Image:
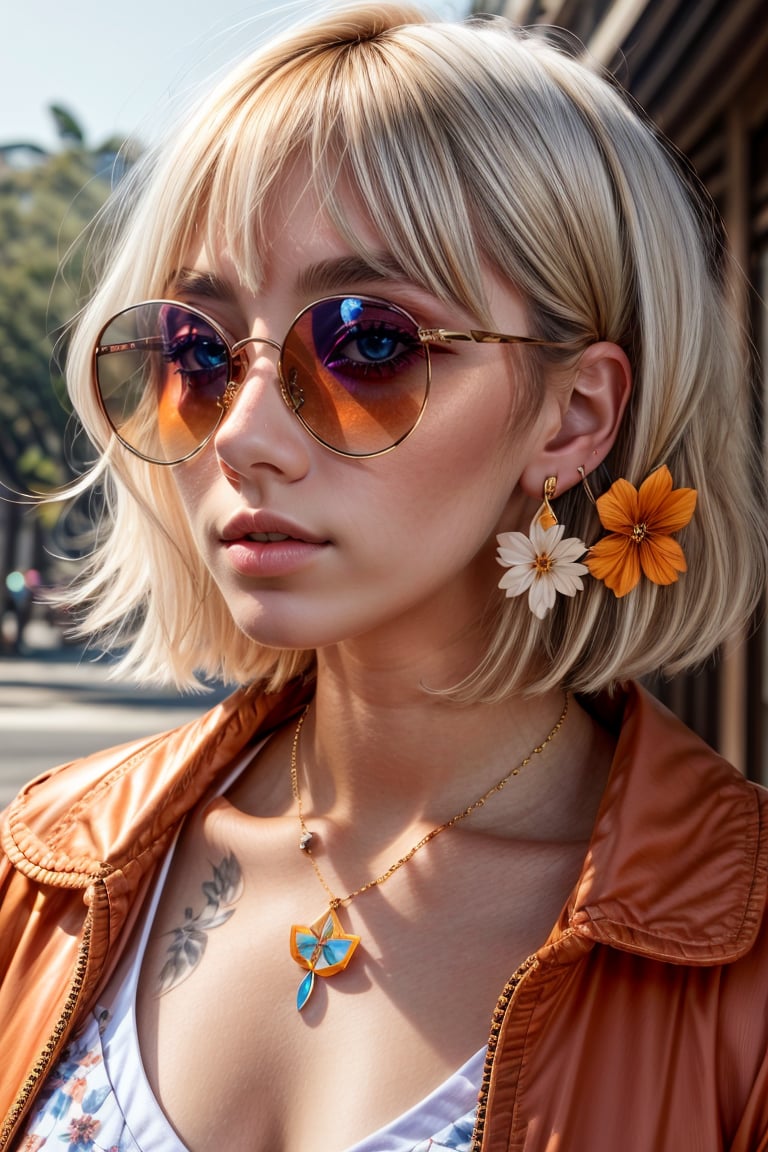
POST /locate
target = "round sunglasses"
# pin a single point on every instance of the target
(355, 370)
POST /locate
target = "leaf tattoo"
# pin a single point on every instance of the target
(188, 946)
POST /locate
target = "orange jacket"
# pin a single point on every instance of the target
(641, 1024)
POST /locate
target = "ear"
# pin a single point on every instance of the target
(591, 414)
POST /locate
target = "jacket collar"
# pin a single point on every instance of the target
(677, 868)
(118, 809)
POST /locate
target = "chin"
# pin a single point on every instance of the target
(275, 631)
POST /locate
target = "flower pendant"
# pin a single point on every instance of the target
(323, 948)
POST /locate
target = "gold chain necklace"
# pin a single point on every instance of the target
(323, 948)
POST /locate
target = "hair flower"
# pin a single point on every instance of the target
(641, 523)
(542, 563)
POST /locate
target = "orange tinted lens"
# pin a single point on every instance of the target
(356, 373)
(161, 370)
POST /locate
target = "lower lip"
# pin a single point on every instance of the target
(274, 558)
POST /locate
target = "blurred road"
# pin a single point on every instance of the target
(57, 705)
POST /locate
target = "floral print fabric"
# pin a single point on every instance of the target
(78, 1110)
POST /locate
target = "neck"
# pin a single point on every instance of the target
(374, 759)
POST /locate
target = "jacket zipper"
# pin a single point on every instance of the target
(500, 1011)
(43, 1063)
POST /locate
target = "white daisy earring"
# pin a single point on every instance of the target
(542, 563)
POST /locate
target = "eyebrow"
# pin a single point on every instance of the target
(331, 275)
(326, 276)
(205, 284)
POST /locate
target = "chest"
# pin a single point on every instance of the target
(217, 1019)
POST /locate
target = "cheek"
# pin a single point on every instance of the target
(446, 494)
(463, 469)
(467, 455)
(478, 409)
(194, 483)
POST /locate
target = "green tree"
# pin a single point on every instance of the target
(46, 201)
(67, 126)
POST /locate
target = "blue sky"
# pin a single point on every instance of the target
(122, 68)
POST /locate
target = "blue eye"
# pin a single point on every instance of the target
(376, 346)
(194, 350)
(355, 339)
(197, 354)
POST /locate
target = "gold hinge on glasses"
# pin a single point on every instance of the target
(441, 335)
(227, 397)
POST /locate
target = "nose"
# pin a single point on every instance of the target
(240, 359)
(257, 429)
(290, 389)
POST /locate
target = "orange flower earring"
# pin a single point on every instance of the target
(640, 525)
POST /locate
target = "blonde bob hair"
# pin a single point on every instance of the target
(470, 146)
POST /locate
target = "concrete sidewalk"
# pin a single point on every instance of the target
(59, 704)
(70, 678)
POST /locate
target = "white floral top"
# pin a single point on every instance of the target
(82, 1111)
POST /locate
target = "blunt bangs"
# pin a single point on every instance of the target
(352, 119)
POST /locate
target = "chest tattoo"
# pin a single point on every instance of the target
(189, 940)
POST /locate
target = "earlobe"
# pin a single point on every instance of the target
(591, 418)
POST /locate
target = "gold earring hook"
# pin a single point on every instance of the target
(546, 516)
(585, 484)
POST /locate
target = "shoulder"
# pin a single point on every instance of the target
(676, 886)
(742, 1026)
(677, 866)
(110, 806)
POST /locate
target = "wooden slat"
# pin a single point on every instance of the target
(664, 46)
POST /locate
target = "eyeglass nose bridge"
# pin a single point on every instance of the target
(290, 390)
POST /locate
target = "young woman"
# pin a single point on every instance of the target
(421, 420)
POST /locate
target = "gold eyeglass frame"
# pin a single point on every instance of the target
(291, 393)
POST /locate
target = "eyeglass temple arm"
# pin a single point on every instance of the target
(446, 336)
(152, 343)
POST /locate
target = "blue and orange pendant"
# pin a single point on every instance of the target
(323, 948)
